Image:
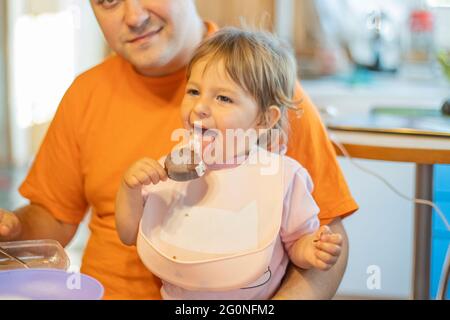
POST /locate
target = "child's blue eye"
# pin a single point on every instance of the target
(192, 92)
(224, 99)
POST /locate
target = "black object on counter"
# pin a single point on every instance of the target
(446, 107)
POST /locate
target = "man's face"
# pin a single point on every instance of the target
(151, 34)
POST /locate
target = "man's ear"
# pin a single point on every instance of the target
(270, 118)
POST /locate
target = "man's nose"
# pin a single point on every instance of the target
(136, 17)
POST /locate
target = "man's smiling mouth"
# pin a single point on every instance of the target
(146, 36)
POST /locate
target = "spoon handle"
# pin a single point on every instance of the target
(20, 261)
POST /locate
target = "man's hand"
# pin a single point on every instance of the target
(10, 226)
(34, 222)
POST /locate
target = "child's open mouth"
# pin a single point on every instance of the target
(205, 136)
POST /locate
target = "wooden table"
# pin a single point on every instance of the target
(398, 138)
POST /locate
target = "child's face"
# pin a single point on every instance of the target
(213, 99)
(216, 100)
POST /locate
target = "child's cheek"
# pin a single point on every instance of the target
(185, 113)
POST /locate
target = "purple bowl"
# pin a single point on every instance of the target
(48, 284)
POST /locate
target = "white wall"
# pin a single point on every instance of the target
(381, 232)
(89, 41)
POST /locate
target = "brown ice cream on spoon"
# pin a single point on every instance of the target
(184, 164)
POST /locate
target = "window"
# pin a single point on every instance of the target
(43, 65)
(50, 43)
(4, 141)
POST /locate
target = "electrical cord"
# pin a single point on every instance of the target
(443, 283)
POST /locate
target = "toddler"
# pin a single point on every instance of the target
(240, 85)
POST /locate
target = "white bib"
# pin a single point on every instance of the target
(216, 232)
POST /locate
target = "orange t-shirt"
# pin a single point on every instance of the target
(109, 118)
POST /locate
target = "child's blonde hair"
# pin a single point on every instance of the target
(259, 63)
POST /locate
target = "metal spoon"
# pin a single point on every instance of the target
(20, 261)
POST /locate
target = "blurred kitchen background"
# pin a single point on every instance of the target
(352, 55)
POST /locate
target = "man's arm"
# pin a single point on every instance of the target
(34, 222)
(314, 284)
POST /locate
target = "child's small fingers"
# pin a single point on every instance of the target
(150, 173)
(326, 257)
(148, 161)
(162, 173)
(335, 238)
(132, 181)
(153, 175)
(138, 177)
(142, 177)
(330, 248)
(148, 180)
(321, 233)
(325, 230)
(158, 168)
(322, 265)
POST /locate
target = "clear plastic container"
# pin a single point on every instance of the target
(37, 254)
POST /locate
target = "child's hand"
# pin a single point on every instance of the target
(144, 172)
(325, 248)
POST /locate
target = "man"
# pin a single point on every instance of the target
(126, 108)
